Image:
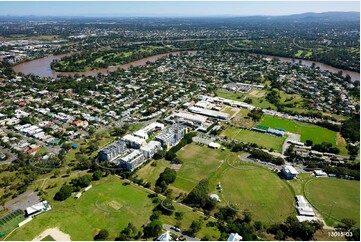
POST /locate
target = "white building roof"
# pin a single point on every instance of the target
(134, 139)
(234, 237)
(291, 169)
(165, 237)
(191, 117)
(37, 207)
(214, 145)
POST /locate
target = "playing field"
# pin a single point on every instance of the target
(151, 173)
(258, 190)
(336, 197)
(11, 221)
(230, 95)
(199, 162)
(265, 140)
(108, 206)
(252, 187)
(307, 131)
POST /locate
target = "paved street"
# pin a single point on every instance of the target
(11, 157)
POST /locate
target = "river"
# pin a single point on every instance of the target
(353, 74)
(41, 66)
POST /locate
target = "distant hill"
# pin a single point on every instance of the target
(324, 17)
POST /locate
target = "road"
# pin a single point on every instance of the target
(291, 136)
(11, 157)
(188, 238)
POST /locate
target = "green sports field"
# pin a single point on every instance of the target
(338, 197)
(108, 206)
(307, 131)
(252, 187)
(265, 140)
(258, 190)
(198, 162)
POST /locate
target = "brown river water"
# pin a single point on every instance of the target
(41, 66)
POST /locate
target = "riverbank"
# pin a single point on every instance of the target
(41, 67)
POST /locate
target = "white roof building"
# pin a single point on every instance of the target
(37, 208)
(234, 237)
(165, 237)
(214, 145)
(199, 119)
(320, 173)
(303, 207)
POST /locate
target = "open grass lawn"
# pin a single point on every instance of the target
(339, 197)
(308, 54)
(256, 189)
(307, 131)
(268, 141)
(230, 132)
(262, 103)
(188, 217)
(230, 110)
(109, 205)
(199, 162)
(242, 120)
(151, 173)
(230, 95)
(265, 140)
(299, 53)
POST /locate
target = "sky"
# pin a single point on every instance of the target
(175, 9)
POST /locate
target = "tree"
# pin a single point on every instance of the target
(97, 175)
(280, 235)
(179, 215)
(348, 223)
(82, 181)
(102, 235)
(199, 197)
(64, 192)
(195, 226)
(56, 173)
(68, 171)
(167, 176)
(153, 229)
(309, 142)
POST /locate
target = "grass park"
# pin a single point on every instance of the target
(246, 186)
(256, 189)
(107, 205)
(199, 162)
(338, 198)
(265, 140)
(307, 131)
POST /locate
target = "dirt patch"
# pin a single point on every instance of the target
(340, 141)
(257, 93)
(176, 167)
(55, 233)
(115, 205)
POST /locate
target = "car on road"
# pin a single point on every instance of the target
(175, 228)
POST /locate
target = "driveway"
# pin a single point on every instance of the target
(291, 136)
(167, 227)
